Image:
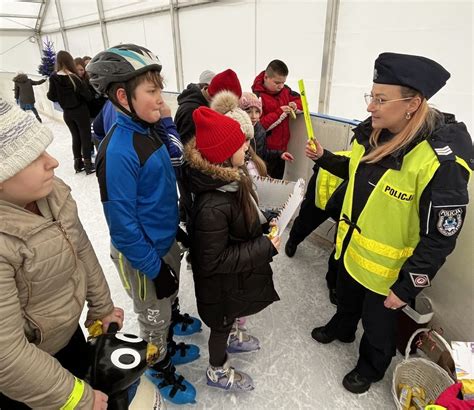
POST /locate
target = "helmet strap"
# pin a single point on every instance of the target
(132, 113)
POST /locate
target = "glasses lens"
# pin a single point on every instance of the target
(368, 98)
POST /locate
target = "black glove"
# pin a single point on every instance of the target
(166, 283)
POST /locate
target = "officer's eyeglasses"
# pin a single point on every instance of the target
(369, 98)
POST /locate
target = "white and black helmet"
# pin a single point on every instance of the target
(119, 64)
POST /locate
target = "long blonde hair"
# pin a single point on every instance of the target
(423, 120)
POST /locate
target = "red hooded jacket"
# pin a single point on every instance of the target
(273, 119)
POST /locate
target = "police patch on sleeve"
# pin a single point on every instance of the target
(449, 221)
(420, 280)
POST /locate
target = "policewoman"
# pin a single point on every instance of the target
(404, 207)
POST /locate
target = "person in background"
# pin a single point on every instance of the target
(48, 271)
(205, 78)
(227, 103)
(404, 207)
(230, 255)
(252, 104)
(138, 193)
(189, 100)
(73, 95)
(24, 93)
(86, 60)
(278, 102)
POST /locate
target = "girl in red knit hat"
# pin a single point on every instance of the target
(229, 252)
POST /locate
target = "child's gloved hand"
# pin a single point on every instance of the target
(166, 283)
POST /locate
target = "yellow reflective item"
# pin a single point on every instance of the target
(389, 224)
(95, 329)
(326, 184)
(306, 113)
(75, 396)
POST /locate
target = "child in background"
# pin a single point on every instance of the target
(48, 270)
(252, 105)
(230, 255)
(278, 101)
(138, 192)
(227, 103)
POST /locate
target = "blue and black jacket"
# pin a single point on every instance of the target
(138, 192)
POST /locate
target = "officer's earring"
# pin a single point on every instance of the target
(408, 115)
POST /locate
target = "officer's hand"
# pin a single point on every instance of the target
(100, 400)
(313, 150)
(393, 302)
(166, 283)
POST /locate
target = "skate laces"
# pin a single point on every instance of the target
(224, 372)
(239, 334)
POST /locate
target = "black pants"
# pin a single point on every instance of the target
(377, 346)
(275, 167)
(72, 357)
(308, 219)
(77, 120)
(35, 111)
(218, 345)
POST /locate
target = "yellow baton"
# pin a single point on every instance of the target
(307, 116)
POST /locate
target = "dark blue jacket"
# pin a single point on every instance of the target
(138, 192)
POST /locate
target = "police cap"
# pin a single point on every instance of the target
(419, 73)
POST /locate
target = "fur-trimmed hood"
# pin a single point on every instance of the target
(202, 174)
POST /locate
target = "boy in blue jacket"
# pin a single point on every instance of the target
(138, 192)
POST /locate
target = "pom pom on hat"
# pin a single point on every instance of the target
(22, 139)
(419, 73)
(227, 103)
(217, 137)
(227, 80)
(249, 100)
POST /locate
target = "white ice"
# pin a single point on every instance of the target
(291, 370)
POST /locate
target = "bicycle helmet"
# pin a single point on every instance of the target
(119, 64)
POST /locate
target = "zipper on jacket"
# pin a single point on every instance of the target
(68, 239)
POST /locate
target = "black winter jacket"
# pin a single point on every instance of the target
(230, 260)
(190, 99)
(24, 88)
(67, 94)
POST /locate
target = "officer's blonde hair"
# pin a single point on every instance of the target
(423, 120)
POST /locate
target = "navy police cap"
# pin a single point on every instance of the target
(419, 73)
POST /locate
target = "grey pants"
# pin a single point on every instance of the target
(154, 315)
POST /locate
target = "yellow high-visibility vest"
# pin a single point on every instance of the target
(389, 222)
(326, 184)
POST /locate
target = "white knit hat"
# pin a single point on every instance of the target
(22, 139)
(227, 103)
(206, 77)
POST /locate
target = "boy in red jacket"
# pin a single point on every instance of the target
(278, 100)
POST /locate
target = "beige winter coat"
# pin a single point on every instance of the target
(48, 269)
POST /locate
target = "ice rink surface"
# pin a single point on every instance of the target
(291, 370)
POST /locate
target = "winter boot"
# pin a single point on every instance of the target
(182, 353)
(172, 386)
(78, 165)
(183, 324)
(228, 378)
(240, 341)
(89, 166)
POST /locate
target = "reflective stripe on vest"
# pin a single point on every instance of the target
(326, 184)
(389, 223)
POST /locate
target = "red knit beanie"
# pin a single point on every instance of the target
(218, 137)
(227, 80)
